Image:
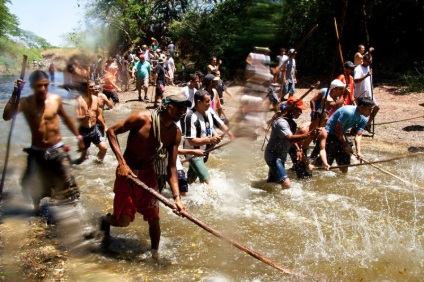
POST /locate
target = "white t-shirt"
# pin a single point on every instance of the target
(189, 93)
(363, 88)
(169, 64)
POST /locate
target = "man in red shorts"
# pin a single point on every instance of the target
(152, 135)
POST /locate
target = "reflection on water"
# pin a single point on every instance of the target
(363, 225)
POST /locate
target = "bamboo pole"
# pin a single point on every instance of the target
(389, 122)
(9, 139)
(372, 162)
(209, 150)
(389, 173)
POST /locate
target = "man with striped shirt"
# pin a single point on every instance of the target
(199, 123)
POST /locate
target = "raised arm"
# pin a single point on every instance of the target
(11, 108)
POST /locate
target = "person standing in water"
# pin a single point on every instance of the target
(152, 136)
(89, 113)
(48, 163)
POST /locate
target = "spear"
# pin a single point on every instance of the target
(15, 105)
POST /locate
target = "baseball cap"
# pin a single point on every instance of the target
(161, 60)
(209, 78)
(178, 98)
(336, 83)
(294, 101)
(292, 51)
(142, 56)
(349, 65)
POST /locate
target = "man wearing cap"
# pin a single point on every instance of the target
(338, 147)
(199, 123)
(142, 68)
(289, 74)
(152, 137)
(347, 79)
(159, 82)
(335, 97)
(282, 137)
(48, 163)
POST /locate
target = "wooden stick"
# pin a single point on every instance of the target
(306, 37)
(218, 234)
(389, 173)
(339, 44)
(209, 150)
(15, 104)
(389, 122)
(372, 162)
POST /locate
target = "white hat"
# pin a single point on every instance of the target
(336, 83)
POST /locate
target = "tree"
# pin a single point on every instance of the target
(8, 22)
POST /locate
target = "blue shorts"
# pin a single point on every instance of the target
(277, 172)
(288, 88)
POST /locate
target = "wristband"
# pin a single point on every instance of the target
(176, 197)
(79, 137)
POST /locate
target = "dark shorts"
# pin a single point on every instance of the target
(48, 174)
(130, 199)
(299, 167)
(334, 149)
(182, 181)
(101, 130)
(112, 95)
(90, 135)
(160, 88)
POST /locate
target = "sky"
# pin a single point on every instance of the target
(49, 19)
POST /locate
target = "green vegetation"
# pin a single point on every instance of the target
(230, 29)
(15, 42)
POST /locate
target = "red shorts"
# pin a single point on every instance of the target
(129, 198)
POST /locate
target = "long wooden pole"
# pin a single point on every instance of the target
(306, 37)
(218, 234)
(372, 162)
(389, 173)
(209, 150)
(15, 104)
(389, 122)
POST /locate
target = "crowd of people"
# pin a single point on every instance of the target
(194, 118)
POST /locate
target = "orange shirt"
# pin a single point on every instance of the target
(349, 99)
(108, 86)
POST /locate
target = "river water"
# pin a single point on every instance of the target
(363, 226)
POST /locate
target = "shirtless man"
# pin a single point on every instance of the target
(48, 164)
(88, 114)
(103, 101)
(142, 153)
(319, 135)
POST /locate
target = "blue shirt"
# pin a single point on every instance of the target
(347, 116)
(143, 69)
